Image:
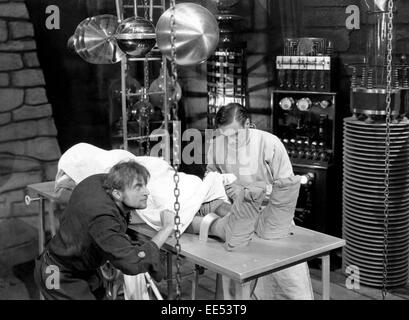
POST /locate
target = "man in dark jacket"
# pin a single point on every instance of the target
(93, 231)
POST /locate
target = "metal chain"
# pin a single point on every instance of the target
(146, 99)
(387, 149)
(176, 146)
(146, 9)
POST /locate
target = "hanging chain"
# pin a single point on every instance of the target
(147, 105)
(176, 146)
(146, 9)
(387, 149)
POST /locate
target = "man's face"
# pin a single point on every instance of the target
(136, 196)
(233, 131)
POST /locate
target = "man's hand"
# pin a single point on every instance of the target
(233, 190)
(167, 218)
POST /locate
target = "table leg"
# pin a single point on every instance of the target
(218, 295)
(226, 288)
(195, 283)
(325, 277)
(52, 218)
(169, 274)
(41, 238)
(243, 290)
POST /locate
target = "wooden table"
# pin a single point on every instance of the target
(43, 191)
(259, 258)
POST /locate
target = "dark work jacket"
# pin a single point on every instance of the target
(93, 230)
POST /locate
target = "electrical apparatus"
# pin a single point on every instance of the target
(376, 155)
(226, 68)
(305, 117)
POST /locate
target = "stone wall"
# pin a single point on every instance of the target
(28, 146)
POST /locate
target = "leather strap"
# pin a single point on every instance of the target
(205, 226)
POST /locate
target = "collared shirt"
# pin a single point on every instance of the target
(93, 230)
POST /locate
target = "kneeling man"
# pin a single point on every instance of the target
(93, 231)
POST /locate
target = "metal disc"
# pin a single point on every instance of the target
(375, 137)
(376, 131)
(371, 196)
(374, 192)
(196, 33)
(395, 260)
(354, 122)
(380, 130)
(371, 268)
(358, 231)
(373, 179)
(374, 221)
(375, 206)
(375, 148)
(377, 184)
(375, 209)
(370, 237)
(359, 149)
(398, 262)
(374, 213)
(375, 247)
(96, 41)
(377, 161)
(395, 232)
(374, 166)
(375, 217)
(373, 142)
(375, 156)
(373, 202)
(374, 173)
(369, 242)
(399, 163)
(397, 229)
(369, 203)
(77, 41)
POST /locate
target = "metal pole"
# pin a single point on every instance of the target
(124, 111)
(135, 7)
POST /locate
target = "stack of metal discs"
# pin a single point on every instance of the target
(363, 202)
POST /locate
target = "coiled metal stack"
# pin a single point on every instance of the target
(363, 202)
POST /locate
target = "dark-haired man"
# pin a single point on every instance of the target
(93, 230)
(258, 158)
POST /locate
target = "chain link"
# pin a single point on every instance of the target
(146, 99)
(146, 9)
(176, 146)
(387, 149)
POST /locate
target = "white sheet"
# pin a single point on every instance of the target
(83, 160)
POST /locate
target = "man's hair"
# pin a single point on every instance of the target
(233, 111)
(124, 174)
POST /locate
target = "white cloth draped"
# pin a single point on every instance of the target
(83, 160)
